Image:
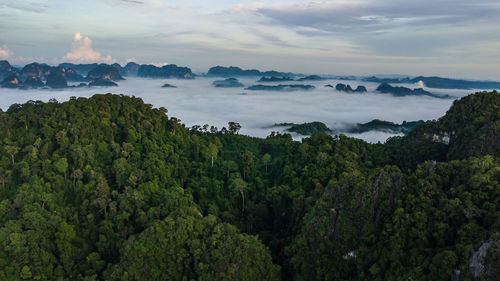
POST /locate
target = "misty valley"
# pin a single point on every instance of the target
(255, 99)
(243, 140)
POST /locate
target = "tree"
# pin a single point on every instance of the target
(234, 127)
(102, 196)
(61, 166)
(240, 185)
(191, 247)
(266, 159)
(230, 166)
(77, 174)
(26, 272)
(212, 151)
(11, 150)
(247, 160)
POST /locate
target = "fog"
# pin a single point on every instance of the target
(197, 102)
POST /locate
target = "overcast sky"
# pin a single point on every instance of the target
(454, 38)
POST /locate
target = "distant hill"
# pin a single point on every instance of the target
(385, 88)
(227, 83)
(236, 71)
(6, 69)
(438, 82)
(446, 83)
(274, 79)
(104, 71)
(167, 71)
(82, 69)
(347, 88)
(42, 71)
(131, 69)
(306, 129)
(384, 126)
(311, 78)
(280, 88)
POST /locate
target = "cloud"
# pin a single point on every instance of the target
(82, 51)
(338, 15)
(159, 64)
(198, 102)
(145, 5)
(403, 28)
(269, 37)
(132, 1)
(4, 52)
(26, 6)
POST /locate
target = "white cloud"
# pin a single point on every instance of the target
(160, 64)
(4, 52)
(82, 51)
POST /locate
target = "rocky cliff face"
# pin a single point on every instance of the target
(480, 266)
(100, 82)
(82, 69)
(106, 72)
(167, 71)
(347, 88)
(12, 81)
(43, 71)
(131, 69)
(57, 81)
(33, 82)
(6, 69)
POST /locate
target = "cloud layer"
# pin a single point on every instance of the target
(82, 51)
(334, 16)
(198, 102)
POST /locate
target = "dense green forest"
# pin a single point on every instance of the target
(110, 188)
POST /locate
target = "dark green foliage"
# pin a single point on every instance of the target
(190, 246)
(307, 129)
(385, 126)
(109, 188)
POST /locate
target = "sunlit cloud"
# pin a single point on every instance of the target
(82, 51)
(159, 64)
(4, 52)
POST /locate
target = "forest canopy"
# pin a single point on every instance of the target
(110, 188)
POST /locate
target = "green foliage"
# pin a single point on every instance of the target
(307, 129)
(194, 248)
(109, 188)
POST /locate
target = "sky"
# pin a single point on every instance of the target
(451, 38)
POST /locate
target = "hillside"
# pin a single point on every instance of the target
(110, 188)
